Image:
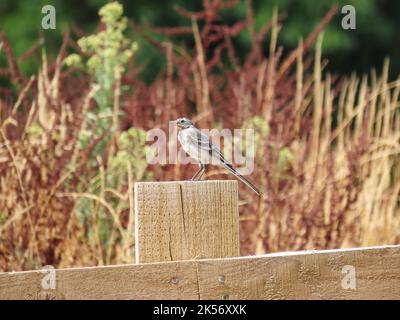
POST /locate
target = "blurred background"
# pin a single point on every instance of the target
(347, 50)
(76, 104)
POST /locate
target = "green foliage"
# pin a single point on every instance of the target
(132, 152)
(74, 60)
(285, 158)
(109, 51)
(258, 124)
(377, 26)
(260, 130)
(34, 130)
(107, 54)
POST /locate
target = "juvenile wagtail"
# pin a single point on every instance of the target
(199, 147)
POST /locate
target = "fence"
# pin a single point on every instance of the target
(187, 247)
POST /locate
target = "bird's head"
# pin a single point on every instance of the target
(183, 123)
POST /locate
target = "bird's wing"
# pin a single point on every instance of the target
(204, 143)
(198, 138)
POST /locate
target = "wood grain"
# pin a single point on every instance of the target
(293, 275)
(304, 275)
(145, 281)
(186, 220)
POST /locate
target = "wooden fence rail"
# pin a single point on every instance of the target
(365, 273)
(187, 247)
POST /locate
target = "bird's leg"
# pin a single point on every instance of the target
(194, 178)
(203, 168)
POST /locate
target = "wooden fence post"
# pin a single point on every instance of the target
(185, 220)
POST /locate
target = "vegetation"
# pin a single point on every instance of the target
(73, 140)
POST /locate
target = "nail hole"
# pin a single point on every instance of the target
(174, 280)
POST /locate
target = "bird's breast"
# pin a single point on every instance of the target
(188, 145)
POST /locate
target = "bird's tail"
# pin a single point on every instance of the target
(240, 177)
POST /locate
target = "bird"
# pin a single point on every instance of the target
(199, 147)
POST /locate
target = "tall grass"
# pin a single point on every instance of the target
(327, 154)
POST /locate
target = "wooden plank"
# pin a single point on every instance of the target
(294, 275)
(305, 275)
(186, 220)
(151, 281)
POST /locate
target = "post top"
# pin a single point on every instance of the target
(187, 181)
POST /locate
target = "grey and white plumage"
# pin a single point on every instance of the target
(198, 146)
